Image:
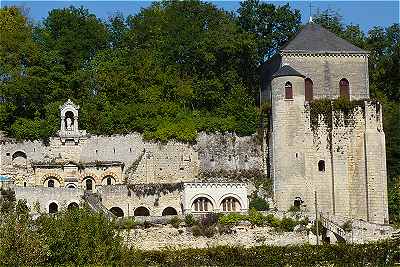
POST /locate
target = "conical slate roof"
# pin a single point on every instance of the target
(314, 38)
(286, 70)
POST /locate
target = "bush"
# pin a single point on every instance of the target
(259, 204)
(125, 223)
(255, 217)
(204, 230)
(175, 221)
(288, 224)
(294, 208)
(347, 226)
(272, 221)
(231, 218)
(190, 220)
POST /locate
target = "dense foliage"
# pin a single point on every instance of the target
(175, 68)
(81, 237)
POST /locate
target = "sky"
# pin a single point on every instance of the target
(365, 13)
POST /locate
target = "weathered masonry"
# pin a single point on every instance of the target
(326, 134)
(325, 138)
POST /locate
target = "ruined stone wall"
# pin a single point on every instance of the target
(44, 196)
(120, 196)
(229, 152)
(352, 183)
(327, 70)
(144, 162)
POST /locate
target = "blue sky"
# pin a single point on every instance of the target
(365, 13)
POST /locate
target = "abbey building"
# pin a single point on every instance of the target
(325, 144)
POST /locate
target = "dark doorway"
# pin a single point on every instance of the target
(53, 208)
(73, 205)
(117, 211)
(89, 184)
(169, 211)
(141, 211)
(50, 183)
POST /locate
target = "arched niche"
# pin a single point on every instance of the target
(141, 211)
(202, 204)
(53, 207)
(117, 211)
(169, 211)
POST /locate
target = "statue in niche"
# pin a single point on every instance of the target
(69, 124)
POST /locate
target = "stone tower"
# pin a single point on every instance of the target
(339, 155)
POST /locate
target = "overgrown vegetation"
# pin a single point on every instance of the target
(152, 189)
(82, 237)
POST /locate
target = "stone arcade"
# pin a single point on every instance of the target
(342, 160)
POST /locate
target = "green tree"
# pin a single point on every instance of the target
(272, 25)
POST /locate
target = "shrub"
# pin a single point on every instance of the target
(175, 221)
(259, 204)
(255, 217)
(272, 221)
(347, 226)
(231, 218)
(288, 224)
(294, 208)
(204, 230)
(209, 219)
(190, 220)
(125, 223)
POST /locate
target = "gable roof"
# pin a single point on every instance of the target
(286, 70)
(314, 38)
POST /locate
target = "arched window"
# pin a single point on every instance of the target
(344, 88)
(108, 180)
(308, 92)
(18, 154)
(53, 207)
(117, 211)
(88, 184)
(288, 90)
(72, 205)
(230, 204)
(169, 211)
(321, 165)
(141, 211)
(202, 204)
(71, 186)
(50, 183)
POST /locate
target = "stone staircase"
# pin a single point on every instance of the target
(334, 228)
(94, 202)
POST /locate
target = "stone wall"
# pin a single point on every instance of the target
(327, 70)
(352, 182)
(247, 236)
(145, 162)
(119, 196)
(44, 196)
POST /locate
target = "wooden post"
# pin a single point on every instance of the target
(316, 215)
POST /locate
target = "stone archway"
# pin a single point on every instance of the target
(72, 206)
(169, 211)
(117, 211)
(53, 208)
(141, 211)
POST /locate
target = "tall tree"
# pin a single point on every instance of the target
(272, 25)
(75, 34)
